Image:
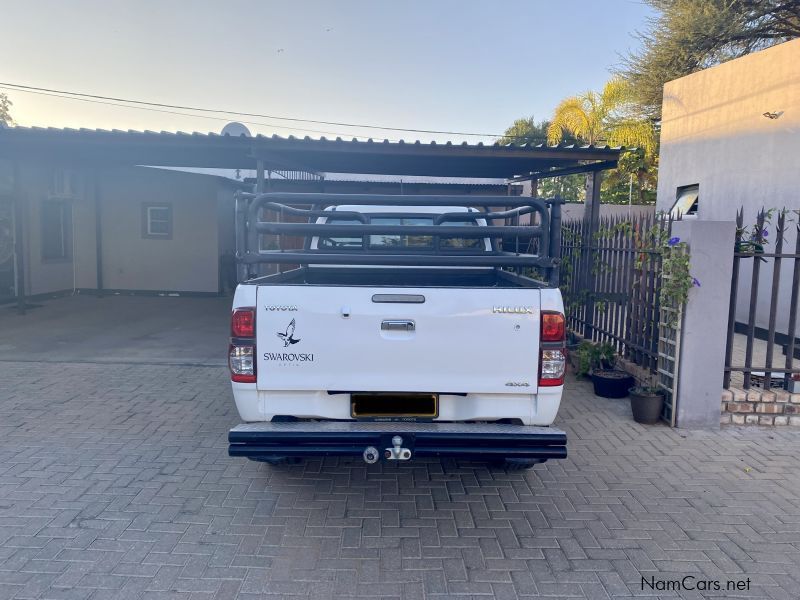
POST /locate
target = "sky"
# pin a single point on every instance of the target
(448, 65)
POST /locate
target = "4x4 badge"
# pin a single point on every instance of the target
(288, 336)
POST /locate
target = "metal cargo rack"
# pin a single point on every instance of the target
(546, 229)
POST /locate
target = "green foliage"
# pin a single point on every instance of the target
(646, 390)
(525, 131)
(676, 278)
(612, 117)
(569, 188)
(689, 35)
(635, 168)
(608, 117)
(5, 110)
(592, 357)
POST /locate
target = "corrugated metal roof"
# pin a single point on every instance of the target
(321, 139)
(197, 149)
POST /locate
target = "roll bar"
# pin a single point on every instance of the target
(249, 228)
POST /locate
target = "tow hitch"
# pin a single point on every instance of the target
(397, 452)
(372, 455)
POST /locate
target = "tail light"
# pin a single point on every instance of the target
(241, 360)
(242, 351)
(243, 322)
(553, 356)
(553, 327)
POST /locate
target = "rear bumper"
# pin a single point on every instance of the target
(350, 438)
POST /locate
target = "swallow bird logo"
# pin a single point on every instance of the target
(288, 336)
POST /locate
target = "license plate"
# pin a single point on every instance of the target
(394, 405)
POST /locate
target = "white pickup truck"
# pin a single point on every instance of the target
(401, 334)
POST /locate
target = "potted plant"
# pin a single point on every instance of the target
(573, 346)
(598, 361)
(608, 381)
(585, 358)
(647, 402)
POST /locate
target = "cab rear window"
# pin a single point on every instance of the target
(399, 242)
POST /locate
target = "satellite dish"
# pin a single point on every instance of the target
(236, 129)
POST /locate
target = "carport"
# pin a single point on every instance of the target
(141, 331)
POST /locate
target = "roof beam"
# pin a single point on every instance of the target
(590, 168)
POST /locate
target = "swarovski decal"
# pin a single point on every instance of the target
(288, 339)
(288, 335)
(516, 310)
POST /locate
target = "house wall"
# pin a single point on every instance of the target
(714, 133)
(43, 276)
(202, 215)
(186, 262)
(572, 211)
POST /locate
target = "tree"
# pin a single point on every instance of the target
(689, 35)
(634, 180)
(5, 110)
(568, 187)
(525, 131)
(528, 131)
(610, 117)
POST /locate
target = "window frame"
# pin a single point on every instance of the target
(680, 193)
(66, 221)
(147, 221)
(378, 249)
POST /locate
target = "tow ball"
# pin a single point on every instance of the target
(397, 452)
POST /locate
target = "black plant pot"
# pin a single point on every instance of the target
(646, 406)
(610, 383)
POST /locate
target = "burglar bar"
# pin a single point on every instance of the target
(749, 246)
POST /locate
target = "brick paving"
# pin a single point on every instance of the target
(115, 483)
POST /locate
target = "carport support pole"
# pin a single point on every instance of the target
(592, 226)
(19, 249)
(98, 234)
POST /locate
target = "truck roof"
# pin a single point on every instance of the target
(376, 208)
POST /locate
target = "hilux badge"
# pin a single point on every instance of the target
(516, 310)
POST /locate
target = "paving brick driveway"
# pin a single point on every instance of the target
(115, 483)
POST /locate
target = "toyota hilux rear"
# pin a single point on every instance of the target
(401, 332)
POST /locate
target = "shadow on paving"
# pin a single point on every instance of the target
(118, 329)
(115, 483)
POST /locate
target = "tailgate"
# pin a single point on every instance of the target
(443, 340)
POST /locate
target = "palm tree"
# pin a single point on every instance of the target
(609, 117)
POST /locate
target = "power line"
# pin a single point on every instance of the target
(65, 93)
(173, 112)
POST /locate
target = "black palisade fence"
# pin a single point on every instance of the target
(611, 282)
(764, 368)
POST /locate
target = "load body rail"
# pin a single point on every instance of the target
(545, 228)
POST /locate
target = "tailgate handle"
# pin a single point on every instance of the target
(399, 298)
(403, 325)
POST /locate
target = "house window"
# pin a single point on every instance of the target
(157, 221)
(56, 229)
(687, 201)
